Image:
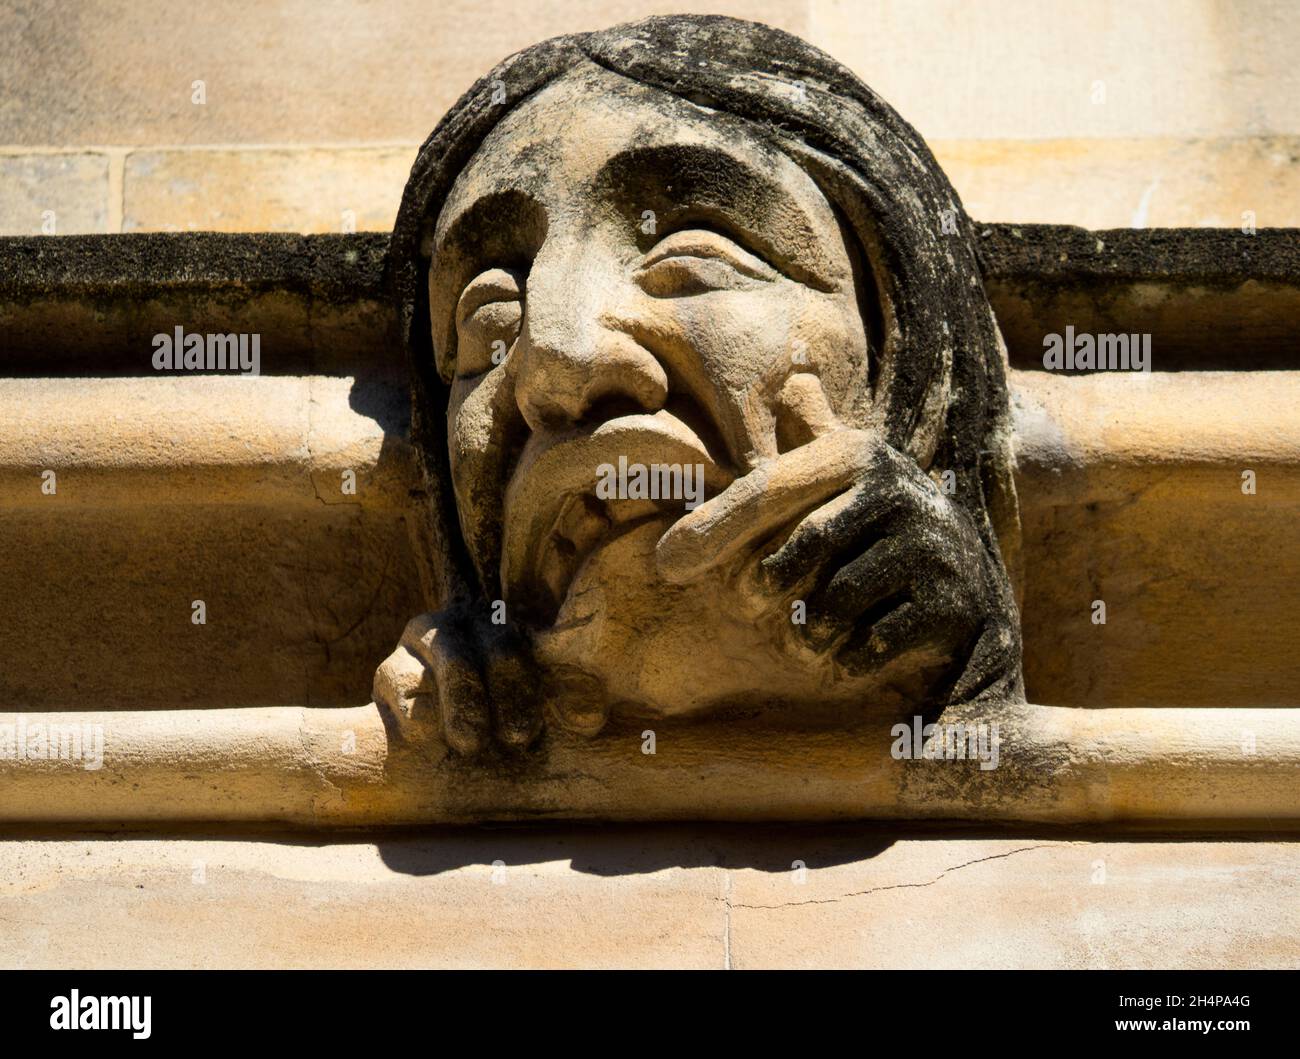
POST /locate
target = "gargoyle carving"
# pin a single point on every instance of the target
(709, 399)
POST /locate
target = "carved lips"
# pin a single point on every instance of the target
(553, 519)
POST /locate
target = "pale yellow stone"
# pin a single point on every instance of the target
(313, 768)
(1131, 493)
(273, 190)
(300, 72)
(197, 463)
(380, 903)
(335, 72)
(1094, 183)
(1129, 183)
(1019, 903)
(54, 194)
(198, 439)
(648, 897)
(1026, 69)
(1130, 490)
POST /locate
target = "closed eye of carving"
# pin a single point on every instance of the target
(697, 260)
(488, 317)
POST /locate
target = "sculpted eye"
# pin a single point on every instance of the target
(488, 317)
(698, 260)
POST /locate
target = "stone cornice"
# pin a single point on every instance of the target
(311, 290)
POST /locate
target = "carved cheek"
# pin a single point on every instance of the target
(793, 331)
(838, 352)
(738, 342)
(481, 418)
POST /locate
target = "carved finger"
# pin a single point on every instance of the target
(907, 630)
(577, 701)
(803, 411)
(843, 526)
(757, 505)
(418, 628)
(402, 683)
(866, 588)
(403, 680)
(514, 689)
(462, 699)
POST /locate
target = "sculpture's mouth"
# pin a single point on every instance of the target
(573, 491)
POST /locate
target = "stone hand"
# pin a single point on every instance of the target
(474, 681)
(891, 573)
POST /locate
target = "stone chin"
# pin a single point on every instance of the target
(649, 648)
(579, 566)
(653, 648)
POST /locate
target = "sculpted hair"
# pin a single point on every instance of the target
(940, 384)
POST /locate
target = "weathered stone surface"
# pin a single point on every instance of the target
(303, 190)
(148, 267)
(324, 72)
(1022, 903)
(1093, 183)
(1205, 122)
(1139, 501)
(1121, 488)
(303, 581)
(250, 439)
(1211, 300)
(54, 194)
(901, 374)
(1029, 71)
(84, 306)
(824, 365)
(299, 602)
(313, 768)
(303, 73)
(1129, 183)
(1216, 301)
(648, 897)
(399, 903)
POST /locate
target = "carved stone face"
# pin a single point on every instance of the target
(621, 273)
(706, 323)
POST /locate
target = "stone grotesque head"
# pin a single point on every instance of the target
(709, 398)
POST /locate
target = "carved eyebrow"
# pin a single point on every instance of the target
(684, 182)
(501, 229)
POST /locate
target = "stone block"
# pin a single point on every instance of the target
(54, 194)
(273, 190)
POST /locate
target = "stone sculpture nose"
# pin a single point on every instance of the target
(577, 357)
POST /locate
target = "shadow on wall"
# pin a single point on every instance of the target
(612, 851)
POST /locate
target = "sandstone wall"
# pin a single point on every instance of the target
(1105, 114)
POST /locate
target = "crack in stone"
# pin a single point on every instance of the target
(726, 938)
(895, 886)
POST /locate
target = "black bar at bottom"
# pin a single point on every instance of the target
(593, 1011)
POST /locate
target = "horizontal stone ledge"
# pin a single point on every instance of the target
(352, 768)
(1210, 298)
(1111, 435)
(284, 440)
(1213, 299)
(202, 439)
(90, 305)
